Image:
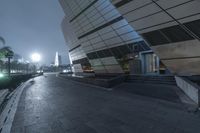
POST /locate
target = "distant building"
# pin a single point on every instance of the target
(58, 60)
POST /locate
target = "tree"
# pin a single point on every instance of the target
(6, 52)
(1, 65)
(2, 40)
(3, 49)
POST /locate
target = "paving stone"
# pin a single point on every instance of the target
(54, 105)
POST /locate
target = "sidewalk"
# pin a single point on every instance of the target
(3, 94)
(55, 105)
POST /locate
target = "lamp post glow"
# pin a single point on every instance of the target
(1, 75)
(35, 57)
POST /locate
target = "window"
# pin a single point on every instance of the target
(116, 52)
(124, 49)
(101, 54)
(144, 45)
(92, 55)
(194, 26)
(155, 38)
(108, 52)
(170, 35)
(176, 34)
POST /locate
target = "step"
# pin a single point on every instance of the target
(160, 80)
(139, 81)
(151, 79)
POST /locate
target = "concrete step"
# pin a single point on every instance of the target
(152, 82)
(151, 77)
(170, 80)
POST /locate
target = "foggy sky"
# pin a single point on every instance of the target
(33, 26)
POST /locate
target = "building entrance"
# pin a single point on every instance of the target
(151, 63)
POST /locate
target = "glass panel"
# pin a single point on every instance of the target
(155, 38)
(194, 26)
(176, 34)
(151, 63)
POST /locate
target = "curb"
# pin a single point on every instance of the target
(8, 114)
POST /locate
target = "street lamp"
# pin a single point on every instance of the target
(35, 57)
(1, 75)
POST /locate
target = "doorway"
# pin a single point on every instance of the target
(151, 63)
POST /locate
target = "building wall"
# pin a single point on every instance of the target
(99, 34)
(171, 27)
(75, 50)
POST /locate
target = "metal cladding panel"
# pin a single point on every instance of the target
(96, 62)
(69, 34)
(77, 68)
(99, 69)
(181, 58)
(178, 50)
(109, 64)
(109, 61)
(98, 27)
(184, 67)
(108, 69)
(169, 27)
(114, 69)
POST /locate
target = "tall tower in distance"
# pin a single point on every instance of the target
(58, 61)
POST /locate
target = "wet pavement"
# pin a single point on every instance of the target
(55, 105)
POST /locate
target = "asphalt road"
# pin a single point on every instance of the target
(55, 105)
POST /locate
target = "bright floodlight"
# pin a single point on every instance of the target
(1, 75)
(35, 57)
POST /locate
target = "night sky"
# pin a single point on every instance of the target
(30, 26)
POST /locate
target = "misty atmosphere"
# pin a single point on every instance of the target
(99, 66)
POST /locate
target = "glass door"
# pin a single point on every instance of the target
(151, 64)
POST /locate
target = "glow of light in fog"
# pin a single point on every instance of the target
(35, 57)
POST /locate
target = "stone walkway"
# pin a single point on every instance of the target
(55, 105)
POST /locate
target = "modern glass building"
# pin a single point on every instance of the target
(104, 36)
(171, 27)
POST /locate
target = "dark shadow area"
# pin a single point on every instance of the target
(12, 82)
(164, 92)
(194, 79)
(106, 80)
